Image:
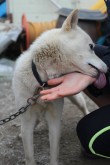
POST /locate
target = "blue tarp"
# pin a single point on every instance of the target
(3, 9)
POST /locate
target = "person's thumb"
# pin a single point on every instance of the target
(55, 81)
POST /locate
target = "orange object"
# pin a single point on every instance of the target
(34, 29)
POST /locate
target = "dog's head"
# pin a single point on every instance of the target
(68, 49)
(79, 48)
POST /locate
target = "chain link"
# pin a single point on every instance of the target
(30, 101)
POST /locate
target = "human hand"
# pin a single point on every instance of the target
(69, 84)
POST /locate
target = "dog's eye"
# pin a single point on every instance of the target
(91, 46)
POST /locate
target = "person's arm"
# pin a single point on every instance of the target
(69, 84)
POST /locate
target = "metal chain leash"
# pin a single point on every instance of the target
(30, 101)
(15, 115)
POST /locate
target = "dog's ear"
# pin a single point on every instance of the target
(71, 21)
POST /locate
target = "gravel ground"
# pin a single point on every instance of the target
(11, 148)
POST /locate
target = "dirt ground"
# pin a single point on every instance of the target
(11, 148)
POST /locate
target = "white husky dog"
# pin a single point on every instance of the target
(54, 53)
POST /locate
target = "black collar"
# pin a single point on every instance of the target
(37, 76)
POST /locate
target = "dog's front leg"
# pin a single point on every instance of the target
(53, 117)
(27, 125)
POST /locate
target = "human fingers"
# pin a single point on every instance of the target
(50, 97)
(47, 91)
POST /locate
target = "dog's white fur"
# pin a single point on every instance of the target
(56, 52)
